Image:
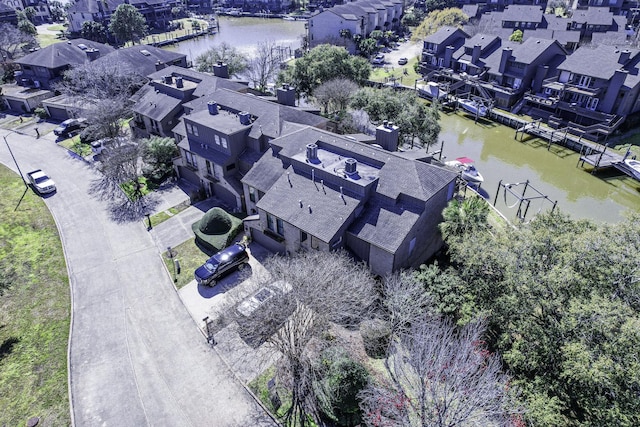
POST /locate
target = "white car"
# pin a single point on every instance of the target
(378, 60)
(41, 182)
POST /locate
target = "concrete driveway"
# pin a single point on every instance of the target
(135, 357)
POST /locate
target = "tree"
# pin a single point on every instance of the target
(236, 61)
(452, 17)
(463, 217)
(338, 380)
(127, 24)
(516, 36)
(563, 299)
(413, 17)
(323, 63)
(92, 30)
(13, 44)
(417, 121)
(24, 21)
(158, 154)
(57, 10)
(321, 288)
(434, 5)
(264, 66)
(367, 47)
(441, 376)
(335, 94)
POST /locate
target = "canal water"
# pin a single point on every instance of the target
(498, 156)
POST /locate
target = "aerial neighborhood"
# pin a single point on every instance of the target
(274, 235)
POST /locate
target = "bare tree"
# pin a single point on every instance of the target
(316, 288)
(405, 301)
(441, 376)
(264, 66)
(13, 41)
(335, 94)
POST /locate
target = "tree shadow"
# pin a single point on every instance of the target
(21, 198)
(121, 208)
(7, 346)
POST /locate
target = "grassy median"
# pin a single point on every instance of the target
(34, 310)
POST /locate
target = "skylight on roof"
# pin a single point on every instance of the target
(82, 46)
(145, 52)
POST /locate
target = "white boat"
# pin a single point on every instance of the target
(431, 90)
(474, 107)
(634, 167)
(467, 170)
(288, 18)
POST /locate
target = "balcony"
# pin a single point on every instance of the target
(582, 90)
(550, 101)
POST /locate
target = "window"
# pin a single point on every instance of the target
(224, 142)
(217, 139)
(192, 129)
(209, 167)
(280, 225)
(270, 222)
(191, 159)
(252, 195)
(412, 246)
(584, 81)
(303, 236)
(231, 167)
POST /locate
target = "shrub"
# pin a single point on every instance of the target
(216, 229)
(376, 334)
(41, 113)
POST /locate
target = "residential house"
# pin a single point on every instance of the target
(593, 86)
(270, 6)
(158, 13)
(8, 14)
(41, 8)
(225, 132)
(145, 59)
(158, 105)
(438, 47)
(343, 23)
(317, 190)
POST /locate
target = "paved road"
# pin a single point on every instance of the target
(136, 358)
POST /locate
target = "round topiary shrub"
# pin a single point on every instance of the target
(376, 334)
(215, 221)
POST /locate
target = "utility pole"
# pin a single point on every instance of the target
(14, 161)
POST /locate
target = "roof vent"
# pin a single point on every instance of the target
(351, 166)
(179, 83)
(213, 107)
(168, 79)
(245, 118)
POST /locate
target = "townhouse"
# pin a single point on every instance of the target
(225, 132)
(41, 8)
(317, 190)
(345, 23)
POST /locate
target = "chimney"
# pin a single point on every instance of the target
(159, 65)
(245, 118)
(312, 153)
(506, 54)
(624, 57)
(286, 95)
(608, 102)
(475, 55)
(221, 70)
(179, 83)
(387, 136)
(213, 107)
(168, 79)
(351, 166)
(448, 54)
(92, 54)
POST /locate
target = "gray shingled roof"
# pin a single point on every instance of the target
(328, 213)
(63, 53)
(601, 62)
(155, 105)
(144, 64)
(525, 52)
(264, 173)
(384, 225)
(206, 82)
(442, 35)
(271, 119)
(522, 13)
(593, 16)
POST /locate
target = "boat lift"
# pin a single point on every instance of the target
(522, 200)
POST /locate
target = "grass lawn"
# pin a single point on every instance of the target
(76, 146)
(146, 187)
(190, 257)
(260, 388)
(34, 311)
(385, 73)
(56, 27)
(48, 39)
(161, 217)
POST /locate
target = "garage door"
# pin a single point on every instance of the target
(58, 113)
(16, 105)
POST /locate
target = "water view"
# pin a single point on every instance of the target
(498, 156)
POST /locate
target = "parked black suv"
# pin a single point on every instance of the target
(228, 259)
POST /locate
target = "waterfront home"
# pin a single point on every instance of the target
(340, 24)
(145, 59)
(317, 190)
(223, 133)
(438, 47)
(158, 105)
